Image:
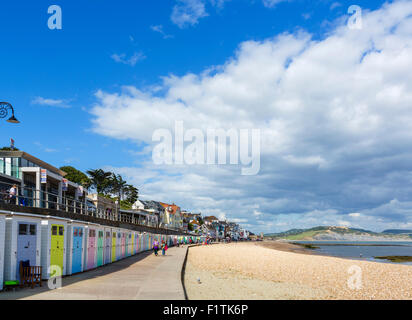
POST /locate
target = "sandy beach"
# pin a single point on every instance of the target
(275, 270)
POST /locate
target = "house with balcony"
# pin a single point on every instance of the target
(39, 184)
(153, 207)
(105, 207)
(172, 217)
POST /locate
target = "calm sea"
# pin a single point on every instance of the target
(364, 250)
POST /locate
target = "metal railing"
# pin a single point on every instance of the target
(31, 197)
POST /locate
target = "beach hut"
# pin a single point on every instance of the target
(22, 242)
(90, 252)
(108, 240)
(119, 245)
(100, 246)
(123, 244)
(53, 247)
(128, 240)
(140, 242)
(2, 236)
(75, 247)
(114, 245)
(134, 238)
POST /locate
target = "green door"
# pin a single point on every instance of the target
(57, 250)
(113, 246)
(100, 248)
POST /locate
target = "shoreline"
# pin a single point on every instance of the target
(297, 248)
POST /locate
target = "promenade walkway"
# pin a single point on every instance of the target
(140, 277)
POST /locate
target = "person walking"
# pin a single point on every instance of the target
(164, 248)
(155, 246)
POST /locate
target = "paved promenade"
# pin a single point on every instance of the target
(141, 277)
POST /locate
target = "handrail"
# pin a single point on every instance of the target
(35, 198)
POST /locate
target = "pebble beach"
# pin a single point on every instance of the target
(275, 270)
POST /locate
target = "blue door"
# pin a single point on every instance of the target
(77, 249)
(26, 244)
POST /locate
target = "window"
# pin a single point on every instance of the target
(114, 234)
(32, 229)
(24, 162)
(80, 232)
(61, 231)
(2, 165)
(22, 229)
(8, 166)
(15, 167)
(107, 234)
(75, 232)
(100, 234)
(54, 230)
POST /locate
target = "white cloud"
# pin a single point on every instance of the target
(188, 12)
(334, 115)
(131, 61)
(159, 29)
(59, 103)
(335, 5)
(272, 3)
(354, 215)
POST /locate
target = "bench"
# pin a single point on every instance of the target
(29, 275)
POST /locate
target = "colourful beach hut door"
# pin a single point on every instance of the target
(100, 246)
(57, 246)
(77, 249)
(114, 246)
(26, 245)
(119, 246)
(91, 250)
(123, 244)
(107, 255)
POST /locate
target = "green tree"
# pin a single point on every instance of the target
(76, 176)
(131, 193)
(9, 149)
(100, 180)
(190, 227)
(117, 185)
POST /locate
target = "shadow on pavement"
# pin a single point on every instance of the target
(20, 293)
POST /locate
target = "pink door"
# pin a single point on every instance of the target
(91, 249)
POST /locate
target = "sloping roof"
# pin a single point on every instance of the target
(40, 163)
(210, 218)
(173, 206)
(151, 204)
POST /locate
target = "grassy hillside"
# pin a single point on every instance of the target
(331, 231)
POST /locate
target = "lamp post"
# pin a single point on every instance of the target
(4, 110)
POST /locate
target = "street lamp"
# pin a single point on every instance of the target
(4, 110)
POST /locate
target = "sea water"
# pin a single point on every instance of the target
(363, 250)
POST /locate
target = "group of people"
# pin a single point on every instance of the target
(157, 246)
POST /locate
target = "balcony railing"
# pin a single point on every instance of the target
(30, 197)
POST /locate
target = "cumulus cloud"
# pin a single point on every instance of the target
(334, 116)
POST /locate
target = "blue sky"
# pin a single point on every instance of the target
(51, 77)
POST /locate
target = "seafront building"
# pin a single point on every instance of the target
(41, 185)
